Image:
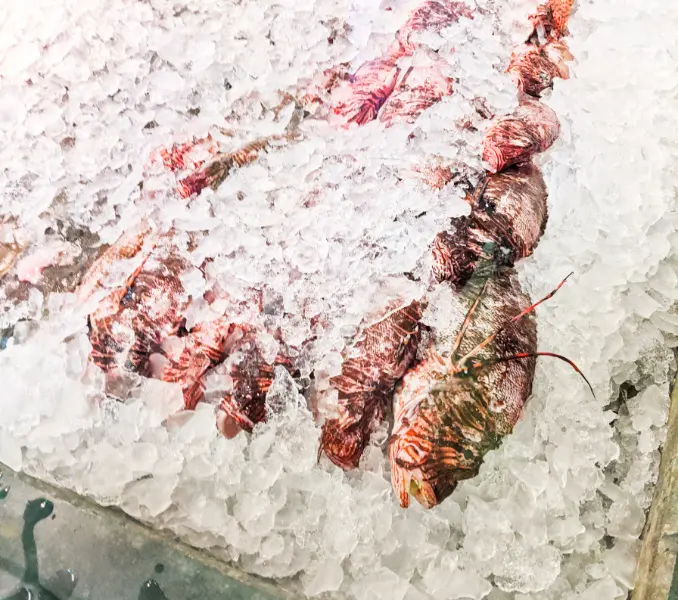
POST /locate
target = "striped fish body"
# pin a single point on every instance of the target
(535, 67)
(445, 420)
(244, 404)
(431, 15)
(132, 324)
(515, 138)
(422, 86)
(380, 357)
(359, 99)
(508, 216)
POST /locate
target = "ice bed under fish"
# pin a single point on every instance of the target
(296, 166)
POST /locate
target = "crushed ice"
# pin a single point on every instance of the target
(91, 89)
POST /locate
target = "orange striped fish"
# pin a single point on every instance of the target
(467, 393)
(561, 10)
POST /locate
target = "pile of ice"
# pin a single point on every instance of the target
(89, 89)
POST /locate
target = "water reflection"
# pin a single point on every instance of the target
(62, 584)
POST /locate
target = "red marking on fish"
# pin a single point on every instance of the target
(436, 176)
(561, 12)
(422, 86)
(179, 156)
(205, 346)
(535, 67)
(515, 138)
(380, 357)
(9, 252)
(360, 98)
(134, 246)
(133, 323)
(214, 174)
(377, 87)
(245, 405)
(551, 18)
(432, 15)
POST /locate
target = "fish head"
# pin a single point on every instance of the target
(343, 445)
(417, 472)
(433, 447)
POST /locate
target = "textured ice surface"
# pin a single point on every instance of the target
(88, 90)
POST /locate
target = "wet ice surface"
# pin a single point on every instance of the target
(556, 512)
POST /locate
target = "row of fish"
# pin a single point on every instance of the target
(453, 397)
(467, 389)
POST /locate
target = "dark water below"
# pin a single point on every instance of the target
(62, 584)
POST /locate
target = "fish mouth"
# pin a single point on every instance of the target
(411, 482)
(423, 492)
(408, 477)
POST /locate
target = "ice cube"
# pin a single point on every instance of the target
(271, 546)
(626, 519)
(465, 583)
(604, 589)
(162, 399)
(620, 561)
(283, 395)
(323, 576)
(381, 585)
(151, 496)
(10, 451)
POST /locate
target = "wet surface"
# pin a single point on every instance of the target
(56, 547)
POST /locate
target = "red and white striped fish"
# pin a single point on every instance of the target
(382, 353)
(508, 216)
(467, 393)
(516, 138)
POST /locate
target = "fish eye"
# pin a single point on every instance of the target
(464, 371)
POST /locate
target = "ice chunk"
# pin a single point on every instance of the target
(626, 519)
(200, 467)
(151, 496)
(78, 349)
(534, 475)
(381, 585)
(142, 457)
(161, 398)
(604, 589)
(620, 562)
(323, 576)
(19, 58)
(283, 395)
(525, 569)
(10, 451)
(268, 346)
(466, 583)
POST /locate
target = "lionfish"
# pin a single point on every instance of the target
(381, 355)
(467, 392)
(139, 326)
(379, 88)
